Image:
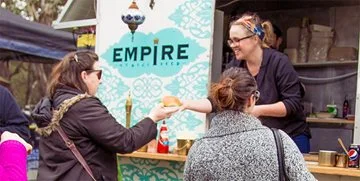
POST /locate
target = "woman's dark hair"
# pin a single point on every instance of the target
(68, 71)
(235, 87)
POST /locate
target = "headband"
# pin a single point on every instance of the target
(257, 29)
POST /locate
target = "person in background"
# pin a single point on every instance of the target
(237, 146)
(13, 151)
(278, 39)
(88, 123)
(280, 106)
(11, 117)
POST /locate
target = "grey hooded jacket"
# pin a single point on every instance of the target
(238, 147)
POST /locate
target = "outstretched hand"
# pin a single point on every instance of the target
(184, 105)
(5, 136)
(159, 112)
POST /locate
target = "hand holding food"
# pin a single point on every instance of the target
(164, 110)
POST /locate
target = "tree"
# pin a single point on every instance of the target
(42, 11)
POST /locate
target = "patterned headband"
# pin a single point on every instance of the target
(249, 25)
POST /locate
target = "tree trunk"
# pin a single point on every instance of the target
(28, 88)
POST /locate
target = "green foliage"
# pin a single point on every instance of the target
(35, 10)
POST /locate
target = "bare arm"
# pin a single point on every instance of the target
(201, 105)
(277, 109)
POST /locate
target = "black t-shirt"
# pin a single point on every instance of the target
(277, 80)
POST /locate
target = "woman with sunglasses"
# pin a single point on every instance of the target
(237, 146)
(86, 122)
(280, 103)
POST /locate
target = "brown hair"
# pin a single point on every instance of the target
(68, 71)
(234, 89)
(269, 37)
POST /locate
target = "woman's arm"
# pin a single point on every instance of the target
(289, 91)
(289, 86)
(273, 110)
(201, 105)
(105, 130)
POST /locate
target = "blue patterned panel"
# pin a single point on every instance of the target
(163, 53)
(147, 87)
(133, 169)
(168, 56)
(192, 84)
(195, 16)
(111, 85)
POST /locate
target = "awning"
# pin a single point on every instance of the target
(24, 40)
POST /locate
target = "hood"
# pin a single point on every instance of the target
(48, 112)
(42, 112)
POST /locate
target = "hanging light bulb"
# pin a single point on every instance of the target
(133, 17)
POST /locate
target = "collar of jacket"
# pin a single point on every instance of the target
(64, 89)
(230, 122)
(62, 93)
(267, 53)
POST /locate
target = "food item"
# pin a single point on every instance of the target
(171, 101)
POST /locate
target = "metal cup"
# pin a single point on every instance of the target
(327, 158)
(183, 146)
(341, 160)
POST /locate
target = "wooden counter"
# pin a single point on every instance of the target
(156, 156)
(329, 120)
(315, 168)
(311, 163)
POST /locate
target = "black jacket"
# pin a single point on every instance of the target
(96, 134)
(278, 81)
(11, 117)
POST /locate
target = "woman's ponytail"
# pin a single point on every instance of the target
(269, 37)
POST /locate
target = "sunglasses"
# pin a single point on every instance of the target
(256, 95)
(98, 73)
(230, 42)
